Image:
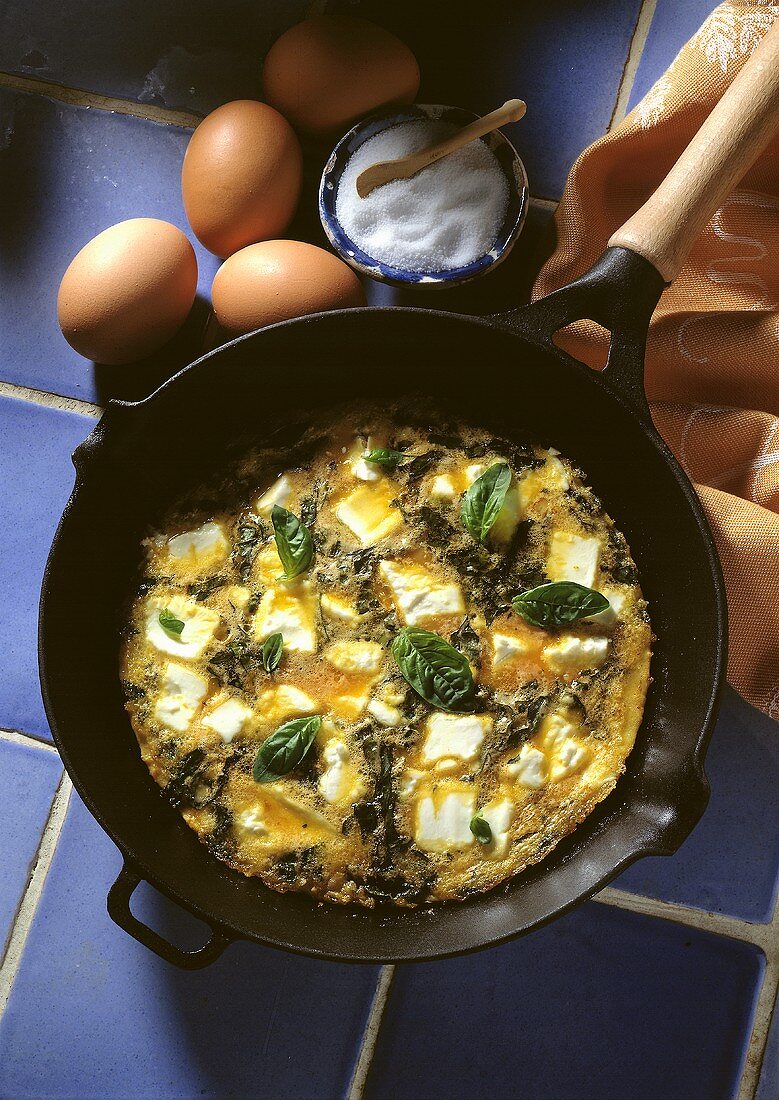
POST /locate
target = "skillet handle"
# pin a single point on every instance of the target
(119, 910)
(620, 292)
(730, 140)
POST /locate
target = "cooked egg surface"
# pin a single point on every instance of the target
(391, 799)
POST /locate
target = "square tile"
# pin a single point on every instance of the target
(28, 778)
(190, 54)
(119, 1022)
(66, 173)
(37, 474)
(564, 58)
(674, 22)
(730, 862)
(600, 1004)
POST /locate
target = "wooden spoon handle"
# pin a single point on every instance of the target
(511, 111)
(738, 129)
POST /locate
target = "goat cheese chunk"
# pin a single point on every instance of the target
(384, 713)
(291, 610)
(286, 701)
(409, 783)
(505, 647)
(338, 609)
(443, 488)
(200, 623)
(572, 654)
(355, 657)
(418, 595)
(498, 816)
(529, 769)
(362, 470)
(455, 736)
(368, 512)
(279, 493)
(443, 820)
(573, 558)
(607, 618)
(228, 719)
(339, 782)
(182, 693)
(565, 752)
(205, 546)
(251, 821)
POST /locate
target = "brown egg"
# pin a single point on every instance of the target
(276, 280)
(128, 291)
(241, 176)
(326, 72)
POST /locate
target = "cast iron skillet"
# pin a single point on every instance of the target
(505, 375)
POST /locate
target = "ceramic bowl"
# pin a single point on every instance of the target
(507, 156)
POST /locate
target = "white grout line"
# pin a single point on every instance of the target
(77, 97)
(32, 895)
(764, 1011)
(761, 1027)
(50, 400)
(371, 1034)
(28, 739)
(759, 934)
(637, 43)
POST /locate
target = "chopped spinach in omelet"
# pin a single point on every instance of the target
(388, 662)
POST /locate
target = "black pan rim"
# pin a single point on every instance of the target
(717, 682)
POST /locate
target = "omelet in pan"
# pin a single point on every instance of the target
(388, 661)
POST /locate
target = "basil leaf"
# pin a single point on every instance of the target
(384, 456)
(170, 623)
(285, 749)
(481, 829)
(558, 604)
(271, 651)
(436, 670)
(482, 502)
(293, 542)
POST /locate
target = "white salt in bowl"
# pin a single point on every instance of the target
(508, 229)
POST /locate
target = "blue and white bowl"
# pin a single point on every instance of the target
(507, 156)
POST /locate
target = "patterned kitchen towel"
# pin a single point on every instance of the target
(712, 371)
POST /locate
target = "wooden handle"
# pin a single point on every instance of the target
(406, 167)
(511, 111)
(738, 129)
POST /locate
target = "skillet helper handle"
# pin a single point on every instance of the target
(119, 910)
(730, 140)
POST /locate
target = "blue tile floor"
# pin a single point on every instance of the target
(37, 476)
(67, 173)
(257, 1023)
(605, 1002)
(601, 1004)
(29, 774)
(481, 56)
(721, 867)
(192, 55)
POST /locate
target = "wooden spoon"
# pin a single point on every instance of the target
(406, 167)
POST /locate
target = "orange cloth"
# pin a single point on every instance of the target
(712, 369)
